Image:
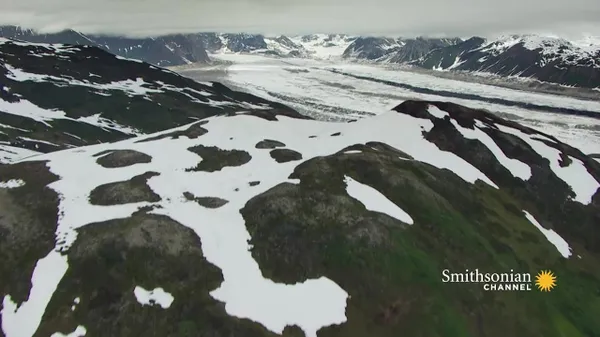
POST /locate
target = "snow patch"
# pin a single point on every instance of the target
(13, 183)
(98, 120)
(561, 245)
(375, 201)
(132, 87)
(27, 109)
(9, 154)
(156, 296)
(79, 332)
(516, 167)
(128, 59)
(75, 303)
(36, 141)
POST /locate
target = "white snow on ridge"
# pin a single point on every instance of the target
(9, 154)
(309, 304)
(129, 59)
(55, 48)
(131, 87)
(13, 183)
(27, 109)
(36, 140)
(375, 201)
(516, 167)
(561, 245)
(150, 297)
(4, 126)
(98, 120)
(575, 175)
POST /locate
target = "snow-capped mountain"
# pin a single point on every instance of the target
(548, 59)
(545, 59)
(373, 48)
(54, 97)
(181, 49)
(163, 51)
(324, 46)
(394, 50)
(318, 46)
(240, 217)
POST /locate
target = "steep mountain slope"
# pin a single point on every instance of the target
(163, 51)
(247, 43)
(546, 59)
(372, 48)
(58, 96)
(414, 49)
(394, 50)
(266, 225)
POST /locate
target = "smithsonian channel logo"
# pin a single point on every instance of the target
(545, 280)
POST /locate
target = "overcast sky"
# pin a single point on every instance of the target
(367, 17)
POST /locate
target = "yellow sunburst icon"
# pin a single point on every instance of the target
(545, 280)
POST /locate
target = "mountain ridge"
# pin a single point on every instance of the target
(59, 96)
(163, 51)
(546, 59)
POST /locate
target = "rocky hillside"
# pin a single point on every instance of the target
(263, 225)
(373, 48)
(394, 50)
(54, 97)
(163, 51)
(545, 59)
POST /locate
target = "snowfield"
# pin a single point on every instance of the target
(310, 304)
(9, 154)
(310, 87)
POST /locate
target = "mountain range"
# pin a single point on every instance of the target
(545, 59)
(163, 51)
(148, 204)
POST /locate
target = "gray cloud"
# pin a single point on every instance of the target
(367, 17)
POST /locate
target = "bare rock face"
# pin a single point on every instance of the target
(215, 159)
(269, 144)
(121, 158)
(285, 155)
(123, 192)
